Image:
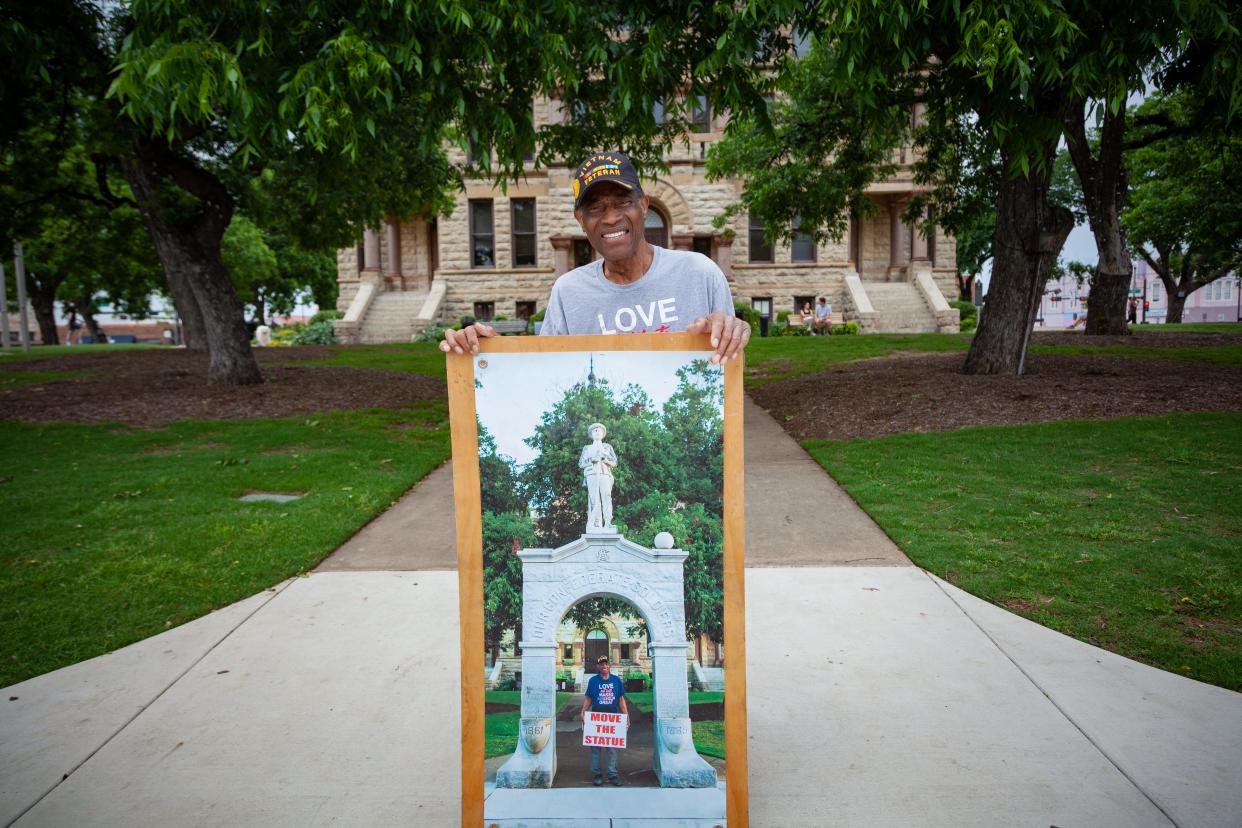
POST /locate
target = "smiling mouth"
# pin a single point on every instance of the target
(616, 234)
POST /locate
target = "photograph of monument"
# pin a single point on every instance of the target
(601, 493)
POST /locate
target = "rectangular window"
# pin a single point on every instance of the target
(524, 310)
(482, 233)
(522, 230)
(760, 247)
(803, 245)
(1155, 291)
(700, 115)
(568, 654)
(657, 111)
(1227, 286)
(703, 244)
(484, 311)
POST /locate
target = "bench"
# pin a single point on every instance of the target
(122, 339)
(509, 326)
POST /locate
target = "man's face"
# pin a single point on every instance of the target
(613, 218)
(603, 669)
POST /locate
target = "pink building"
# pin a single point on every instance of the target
(1064, 303)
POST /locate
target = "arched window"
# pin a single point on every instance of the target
(596, 646)
(656, 228)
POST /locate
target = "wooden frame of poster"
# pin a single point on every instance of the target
(466, 489)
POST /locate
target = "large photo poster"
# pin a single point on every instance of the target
(601, 650)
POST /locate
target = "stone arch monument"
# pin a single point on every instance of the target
(603, 563)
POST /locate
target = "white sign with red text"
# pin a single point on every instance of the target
(604, 729)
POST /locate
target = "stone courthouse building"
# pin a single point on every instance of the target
(498, 253)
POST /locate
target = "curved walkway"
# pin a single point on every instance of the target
(879, 696)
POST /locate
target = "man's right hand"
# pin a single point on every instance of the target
(467, 339)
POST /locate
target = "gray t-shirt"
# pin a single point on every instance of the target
(678, 288)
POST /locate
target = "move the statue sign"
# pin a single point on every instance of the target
(604, 729)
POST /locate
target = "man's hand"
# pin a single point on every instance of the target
(729, 334)
(467, 339)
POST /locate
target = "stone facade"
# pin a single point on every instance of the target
(440, 249)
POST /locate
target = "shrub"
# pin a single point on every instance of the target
(538, 317)
(508, 684)
(326, 315)
(744, 311)
(316, 333)
(968, 312)
(843, 329)
(433, 334)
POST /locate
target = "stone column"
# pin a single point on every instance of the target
(533, 763)
(724, 255)
(370, 252)
(918, 248)
(683, 241)
(897, 232)
(920, 113)
(562, 249)
(393, 232)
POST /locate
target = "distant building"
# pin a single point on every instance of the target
(498, 253)
(1064, 302)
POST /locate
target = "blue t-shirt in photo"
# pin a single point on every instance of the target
(605, 695)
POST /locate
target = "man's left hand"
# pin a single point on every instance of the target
(729, 334)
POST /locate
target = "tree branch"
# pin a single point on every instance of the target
(110, 199)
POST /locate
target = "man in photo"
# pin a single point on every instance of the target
(606, 694)
(634, 287)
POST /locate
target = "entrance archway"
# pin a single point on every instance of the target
(651, 580)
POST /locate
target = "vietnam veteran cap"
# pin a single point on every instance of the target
(605, 166)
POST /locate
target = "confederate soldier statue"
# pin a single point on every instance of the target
(597, 462)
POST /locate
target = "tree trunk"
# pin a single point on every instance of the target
(193, 329)
(1177, 305)
(1106, 303)
(44, 305)
(41, 293)
(189, 249)
(1103, 188)
(86, 307)
(1030, 232)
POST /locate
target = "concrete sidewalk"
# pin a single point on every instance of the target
(878, 696)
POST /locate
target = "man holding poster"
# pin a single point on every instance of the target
(635, 286)
(605, 693)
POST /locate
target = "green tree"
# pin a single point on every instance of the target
(1184, 216)
(252, 265)
(669, 479)
(335, 93)
(981, 79)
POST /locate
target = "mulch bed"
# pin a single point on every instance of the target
(153, 387)
(928, 392)
(901, 393)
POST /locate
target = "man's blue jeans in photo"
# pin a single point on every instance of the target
(610, 759)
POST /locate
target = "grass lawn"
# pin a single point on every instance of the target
(15, 379)
(414, 357)
(780, 357)
(502, 728)
(45, 351)
(124, 533)
(1191, 327)
(1124, 533)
